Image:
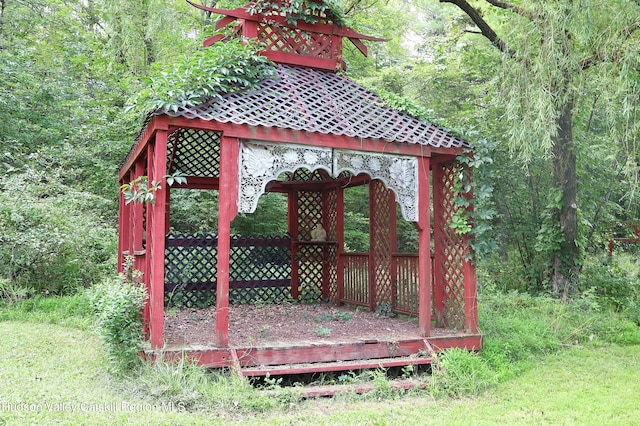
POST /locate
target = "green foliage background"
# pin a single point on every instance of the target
(69, 69)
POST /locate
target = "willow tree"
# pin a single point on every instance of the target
(553, 53)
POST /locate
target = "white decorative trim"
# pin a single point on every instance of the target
(399, 173)
(262, 162)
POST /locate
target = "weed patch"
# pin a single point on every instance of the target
(520, 330)
(118, 304)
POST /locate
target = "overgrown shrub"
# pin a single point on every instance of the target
(11, 293)
(53, 239)
(118, 304)
(613, 280)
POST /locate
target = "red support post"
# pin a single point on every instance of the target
(324, 212)
(373, 303)
(393, 245)
(470, 297)
(293, 232)
(137, 238)
(124, 230)
(438, 236)
(138, 214)
(227, 211)
(424, 247)
(156, 213)
(340, 240)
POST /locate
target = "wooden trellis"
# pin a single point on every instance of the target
(309, 133)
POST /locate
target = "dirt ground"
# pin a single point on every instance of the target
(274, 325)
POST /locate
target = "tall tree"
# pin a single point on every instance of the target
(553, 53)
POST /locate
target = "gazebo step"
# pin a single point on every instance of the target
(360, 364)
(359, 388)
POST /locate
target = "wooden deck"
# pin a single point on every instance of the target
(321, 356)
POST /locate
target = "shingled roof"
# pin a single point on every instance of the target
(313, 100)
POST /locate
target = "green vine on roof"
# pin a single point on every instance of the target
(209, 73)
(309, 11)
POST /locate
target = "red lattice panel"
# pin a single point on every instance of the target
(260, 269)
(331, 223)
(309, 213)
(309, 257)
(305, 175)
(297, 41)
(194, 153)
(310, 272)
(453, 251)
(382, 228)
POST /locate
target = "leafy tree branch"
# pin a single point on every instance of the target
(509, 6)
(480, 22)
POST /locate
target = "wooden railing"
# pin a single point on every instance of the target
(405, 280)
(356, 278)
(405, 275)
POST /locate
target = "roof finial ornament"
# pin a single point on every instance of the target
(306, 33)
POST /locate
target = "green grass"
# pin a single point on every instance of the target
(543, 363)
(588, 386)
(64, 368)
(72, 311)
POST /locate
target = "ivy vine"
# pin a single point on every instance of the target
(209, 73)
(309, 11)
(475, 178)
(141, 191)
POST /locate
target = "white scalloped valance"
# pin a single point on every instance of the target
(399, 174)
(262, 162)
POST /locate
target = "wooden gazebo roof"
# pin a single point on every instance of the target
(313, 100)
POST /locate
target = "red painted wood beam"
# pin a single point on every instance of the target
(296, 59)
(470, 342)
(334, 366)
(340, 240)
(438, 236)
(272, 134)
(227, 211)
(329, 352)
(197, 182)
(157, 122)
(444, 158)
(156, 234)
(424, 247)
(211, 357)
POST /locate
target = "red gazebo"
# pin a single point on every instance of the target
(309, 133)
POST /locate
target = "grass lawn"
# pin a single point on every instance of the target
(55, 374)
